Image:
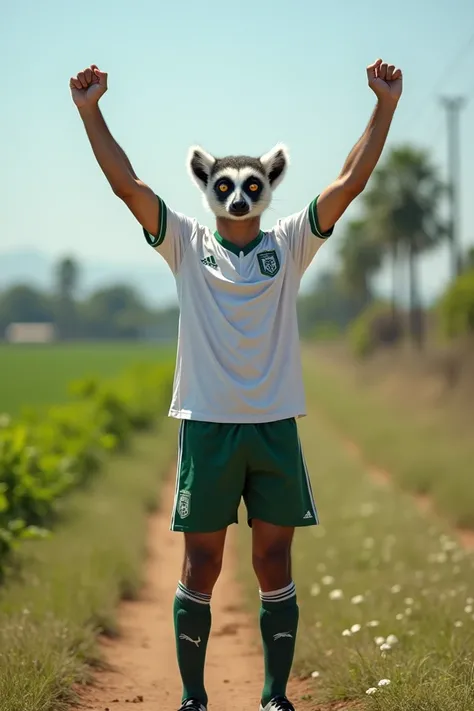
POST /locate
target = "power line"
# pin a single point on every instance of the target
(420, 112)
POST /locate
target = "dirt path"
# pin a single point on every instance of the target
(142, 662)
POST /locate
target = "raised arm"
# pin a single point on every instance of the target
(386, 82)
(86, 89)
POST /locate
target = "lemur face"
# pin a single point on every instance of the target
(238, 187)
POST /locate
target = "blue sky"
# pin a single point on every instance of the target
(235, 77)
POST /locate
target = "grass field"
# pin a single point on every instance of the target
(427, 449)
(377, 572)
(39, 375)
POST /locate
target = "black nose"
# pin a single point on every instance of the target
(239, 206)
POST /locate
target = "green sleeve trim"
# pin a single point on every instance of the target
(156, 240)
(314, 222)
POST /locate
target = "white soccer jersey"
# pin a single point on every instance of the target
(238, 357)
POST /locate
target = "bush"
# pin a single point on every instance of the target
(375, 327)
(43, 457)
(325, 331)
(456, 308)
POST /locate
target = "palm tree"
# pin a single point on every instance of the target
(403, 207)
(67, 273)
(360, 257)
(67, 276)
(378, 210)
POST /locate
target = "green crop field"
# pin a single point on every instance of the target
(32, 375)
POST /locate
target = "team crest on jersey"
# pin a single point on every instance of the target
(268, 261)
(184, 504)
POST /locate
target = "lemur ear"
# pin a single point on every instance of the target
(200, 164)
(275, 163)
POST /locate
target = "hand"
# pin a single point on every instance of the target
(88, 86)
(385, 80)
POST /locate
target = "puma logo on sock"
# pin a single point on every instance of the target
(197, 641)
(279, 635)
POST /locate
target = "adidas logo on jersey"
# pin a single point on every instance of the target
(210, 262)
(308, 514)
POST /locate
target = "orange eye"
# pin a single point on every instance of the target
(253, 187)
(223, 188)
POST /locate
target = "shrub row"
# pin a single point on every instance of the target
(456, 307)
(43, 456)
(375, 327)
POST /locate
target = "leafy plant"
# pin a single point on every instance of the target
(42, 458)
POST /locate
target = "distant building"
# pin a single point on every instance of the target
(30, 333)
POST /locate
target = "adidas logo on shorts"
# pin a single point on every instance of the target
(307, 515)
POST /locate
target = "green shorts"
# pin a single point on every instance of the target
(219, 464)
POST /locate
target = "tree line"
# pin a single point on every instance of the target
(400, 220)
(111, 312)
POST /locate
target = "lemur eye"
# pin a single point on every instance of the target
(223, 187)
(253, 187)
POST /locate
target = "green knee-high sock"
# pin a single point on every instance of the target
(192, 624)
(278, 623)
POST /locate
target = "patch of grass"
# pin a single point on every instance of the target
(37, 375)
(66, 589)
(377, 563)
(425, 454)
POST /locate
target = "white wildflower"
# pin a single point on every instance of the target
(470, 600)
(355, 628)
(392, 640)
(328, 580)
(373, 623)
(458, 623)
(384, 682)
(315, 675)
(468, 609)
(371, 691)
(347, 633)
(336, 595)
(400, 616)
(408, 611)
(379, 641)
(385, 647)
(357, 599)
(367, 509)
(409, 601)
(395, 589)
(5, 420)
(315, 590)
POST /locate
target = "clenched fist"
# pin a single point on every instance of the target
(385, 80)
(88, 86)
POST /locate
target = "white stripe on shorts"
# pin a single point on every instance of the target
(178, 471)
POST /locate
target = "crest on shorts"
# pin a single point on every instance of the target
(184, 504)
(268, 261)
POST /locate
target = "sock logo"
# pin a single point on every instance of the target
(279, 635)
(197, 641)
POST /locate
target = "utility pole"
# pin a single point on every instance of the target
(453, 106)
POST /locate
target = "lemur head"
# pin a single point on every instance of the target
(238, 187)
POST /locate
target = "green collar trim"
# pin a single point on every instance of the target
(232, 247)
